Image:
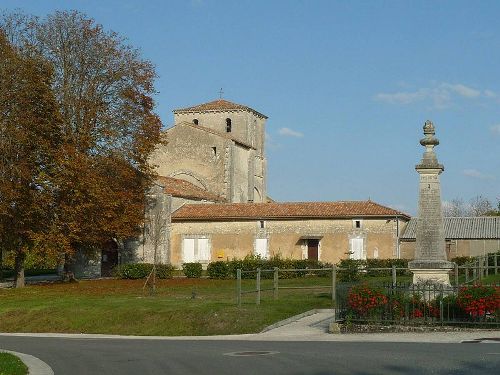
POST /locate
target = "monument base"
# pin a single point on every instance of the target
(431, 272)
(431, 276)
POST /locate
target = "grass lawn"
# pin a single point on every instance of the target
(121, 307)
(11, 365)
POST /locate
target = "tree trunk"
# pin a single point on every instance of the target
(19, 270)
(68, 275)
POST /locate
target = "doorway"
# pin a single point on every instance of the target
(312, 249)
(109, 258)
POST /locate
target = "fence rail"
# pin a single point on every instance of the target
(402, 305)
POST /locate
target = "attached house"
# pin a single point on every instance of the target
(325, 231)
(465, 236)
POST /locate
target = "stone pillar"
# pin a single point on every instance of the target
(430, 263)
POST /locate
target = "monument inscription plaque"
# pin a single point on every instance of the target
(430, 263)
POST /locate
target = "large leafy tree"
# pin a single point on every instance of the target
(104, 90)
(30, 137)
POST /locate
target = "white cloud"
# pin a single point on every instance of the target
(440, 94)
(462, 90)
(489, 94)
(287, 132)
(474, 173)
(495, 129)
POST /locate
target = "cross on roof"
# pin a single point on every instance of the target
(220, 93)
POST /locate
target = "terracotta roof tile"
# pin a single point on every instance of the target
(285, 210)
(184, 189)
(218, 105)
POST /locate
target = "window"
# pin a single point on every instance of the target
(228, 125)
(262, 224)
(357, 224)
(214, 150)
(195, 121)
(195, 250)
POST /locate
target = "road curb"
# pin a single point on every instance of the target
(35, 365)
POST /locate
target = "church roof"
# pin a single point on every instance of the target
(217, 106)
(184, 189)
(457, 228)
(292, 210)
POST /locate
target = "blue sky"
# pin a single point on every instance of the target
(347, 86)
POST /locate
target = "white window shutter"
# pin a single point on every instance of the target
(261, 247)
(188, 250)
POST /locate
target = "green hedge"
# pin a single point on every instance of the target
(227, 269)
(354, 269)
(142, 270)
(218, 270)
(192, 270)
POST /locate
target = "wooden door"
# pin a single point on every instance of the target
(312, 249)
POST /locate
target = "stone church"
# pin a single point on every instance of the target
(210, 202)
(214, 155)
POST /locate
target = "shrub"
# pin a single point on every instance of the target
(165, 271)
(192, 270)
(218, 270)
(479, 300)
(365, 300)
(350, 269)
(142, 270)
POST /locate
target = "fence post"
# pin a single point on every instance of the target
(496, 263)
(480, 268)
(238, 287)
(466, 274)
(275, 283)
(258, 287)
(394, 277)
(334, 284)
(456, 274)
(487, 264)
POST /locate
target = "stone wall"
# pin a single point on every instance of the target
(288, 238)
(195, 156)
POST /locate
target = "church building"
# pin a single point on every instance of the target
(210, 203)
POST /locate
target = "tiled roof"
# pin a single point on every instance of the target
(218, 105)
(456, 228)
(351, 209)
(212, 131)
(184, 189)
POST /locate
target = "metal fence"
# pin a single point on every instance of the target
(416, 304)
(399, 302)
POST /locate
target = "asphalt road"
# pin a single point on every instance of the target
(89, 356)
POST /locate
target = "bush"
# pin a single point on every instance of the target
(350, 269)
(192, 270)
(165, 271)
(479, 301)
(142, 270)
(365, 300)
(218, 270)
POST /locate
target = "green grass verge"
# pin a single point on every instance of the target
(11, 365)
(179, 307)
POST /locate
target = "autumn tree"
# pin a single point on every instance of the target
(30, 138)
(104, 90)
